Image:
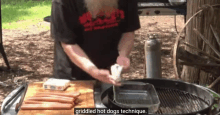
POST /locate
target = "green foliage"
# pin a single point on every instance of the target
(216, 97)
(21, 1)
(22, 13)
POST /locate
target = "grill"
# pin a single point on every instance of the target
(184, 102)
(176, 97)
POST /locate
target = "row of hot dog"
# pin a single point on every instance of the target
(51, 101)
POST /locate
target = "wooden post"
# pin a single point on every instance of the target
(201, 23)
(0, 23)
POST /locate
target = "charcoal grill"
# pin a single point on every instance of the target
(176, 97)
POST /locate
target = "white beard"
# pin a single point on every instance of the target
(101, 6)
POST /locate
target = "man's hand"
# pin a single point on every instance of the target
(104, 76)
(124, 62)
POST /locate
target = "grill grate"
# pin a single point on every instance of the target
(178, 102)
(172, 100)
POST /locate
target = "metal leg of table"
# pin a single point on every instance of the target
(2, 51)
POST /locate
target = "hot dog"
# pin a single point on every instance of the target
(56, 96)
(52, 99)
(47, 106)
(37, 102)
(43, 102)
(75, 95)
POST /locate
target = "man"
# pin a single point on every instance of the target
(92, 35)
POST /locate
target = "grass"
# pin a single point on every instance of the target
(19, 14)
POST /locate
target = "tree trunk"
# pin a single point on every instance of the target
(200, 22)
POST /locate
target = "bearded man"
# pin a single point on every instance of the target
(92, 35)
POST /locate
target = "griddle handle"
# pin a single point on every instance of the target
(18, 105)
(12, 97)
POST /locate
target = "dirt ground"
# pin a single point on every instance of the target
(30, 52)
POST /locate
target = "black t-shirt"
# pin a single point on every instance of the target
(99, 38)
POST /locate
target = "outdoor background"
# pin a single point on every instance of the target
(29, 48)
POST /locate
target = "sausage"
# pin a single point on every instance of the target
(37, 102)
(75, 95)
(56, 96)
(48, 106)
(44, 102)
(52, 99)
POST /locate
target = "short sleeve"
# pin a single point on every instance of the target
(132, 21)
(63, 21)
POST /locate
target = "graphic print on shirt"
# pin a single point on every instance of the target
(101, 22)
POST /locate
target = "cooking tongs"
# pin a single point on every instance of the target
(21, 89)
(116, 74)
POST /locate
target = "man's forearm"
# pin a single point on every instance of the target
(126, 44)
(78, 57)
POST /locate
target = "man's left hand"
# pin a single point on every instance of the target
(124, 62)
